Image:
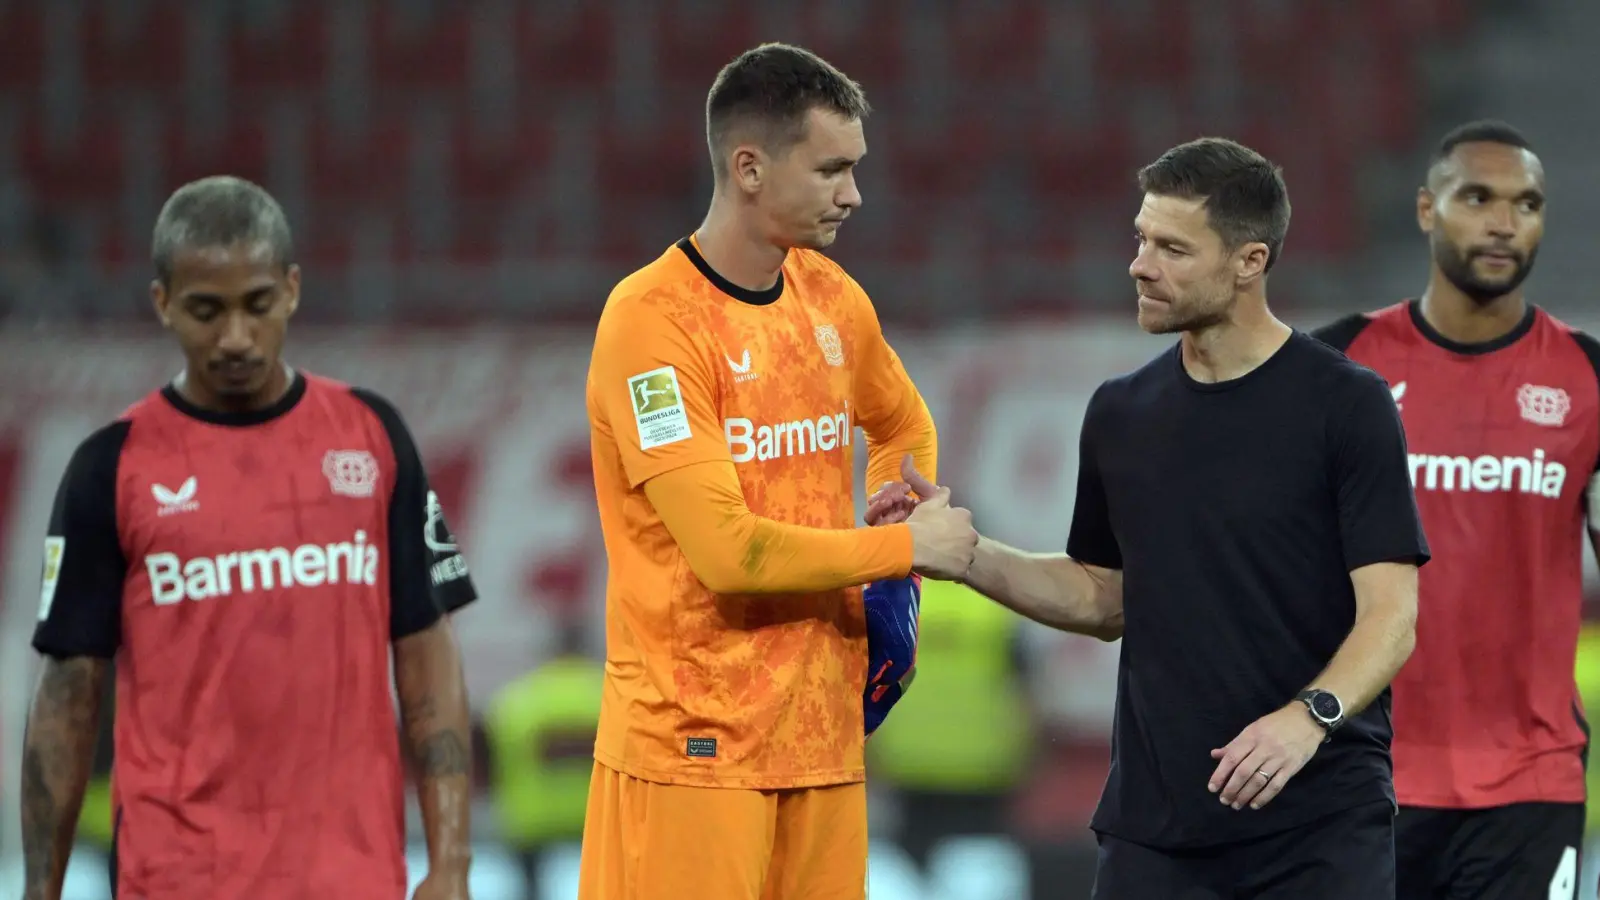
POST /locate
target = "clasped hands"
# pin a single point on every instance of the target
(942, 537)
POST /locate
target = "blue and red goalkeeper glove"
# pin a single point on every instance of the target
(893, 609)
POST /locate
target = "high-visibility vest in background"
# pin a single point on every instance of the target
(963, 725)
(1588, 676)
(96, 819)
(540, 730)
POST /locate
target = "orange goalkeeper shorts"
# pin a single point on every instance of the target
(648, 841)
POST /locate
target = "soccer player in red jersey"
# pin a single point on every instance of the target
(248, 548)
(1501, 404)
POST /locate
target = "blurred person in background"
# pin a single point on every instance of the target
(1588, 679)
(960, 741)
(725, 386)
(1501, 404)
(540, 730)
(1253, 482)
(256, 551)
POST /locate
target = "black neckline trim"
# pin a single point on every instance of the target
(291, 397)
(743, 295)
(1414, 308)
(1213, 387)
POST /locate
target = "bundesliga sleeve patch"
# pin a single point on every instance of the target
(448, 563)
(54, 549)
(658, 408)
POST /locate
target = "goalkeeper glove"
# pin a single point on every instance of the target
(893, 608)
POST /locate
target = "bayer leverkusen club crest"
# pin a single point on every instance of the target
(1545, 406)
(353, 473)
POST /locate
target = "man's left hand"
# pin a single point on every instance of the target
(443, 886)
(891, 505)
(1256, 765)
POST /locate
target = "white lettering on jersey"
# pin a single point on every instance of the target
(276, 568)
(1517, 474)
(748, 441)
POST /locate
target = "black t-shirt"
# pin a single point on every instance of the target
(1236, 512)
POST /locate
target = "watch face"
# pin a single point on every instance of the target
(1325, 705)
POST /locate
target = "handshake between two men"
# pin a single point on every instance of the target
(942, 537)
(943, 546)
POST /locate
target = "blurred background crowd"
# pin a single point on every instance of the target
(467, 179)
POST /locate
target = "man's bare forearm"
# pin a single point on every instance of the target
(1376, 648)
(1380, 642)
(57, 755)
(435, 717)
(1050, 588)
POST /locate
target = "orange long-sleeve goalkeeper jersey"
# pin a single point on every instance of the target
(722, 424)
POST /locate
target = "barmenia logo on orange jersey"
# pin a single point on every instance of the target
(748, 441)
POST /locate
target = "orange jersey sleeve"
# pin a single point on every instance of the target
(892, 411)
(654, 387)
(734, 551)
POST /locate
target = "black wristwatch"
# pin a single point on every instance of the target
(1325, 708)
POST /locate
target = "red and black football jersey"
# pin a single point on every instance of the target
(1503, 439)
(248, 573)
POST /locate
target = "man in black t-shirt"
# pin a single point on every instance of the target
(1245, 523)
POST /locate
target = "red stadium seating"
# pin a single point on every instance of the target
(22, 46)
(969, 93)
(82, 164)
(191, 153)
(134, 46)
(289, 53)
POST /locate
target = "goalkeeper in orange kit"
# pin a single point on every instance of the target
(727, 382)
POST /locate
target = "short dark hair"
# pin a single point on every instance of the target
(1245, 197)
(1483, 131)
(774, 87)
(219, 211)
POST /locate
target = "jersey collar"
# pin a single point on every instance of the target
(291, 397)
(743, 295)
(1414, 309)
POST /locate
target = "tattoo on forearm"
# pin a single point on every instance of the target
(57, 754)
(433, 705)
(442, 754)
(436, 723)
(418, 709)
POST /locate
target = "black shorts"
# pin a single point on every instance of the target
(1501, 853)
(1348, 854)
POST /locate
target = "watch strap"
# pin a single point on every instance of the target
(1307, 697)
